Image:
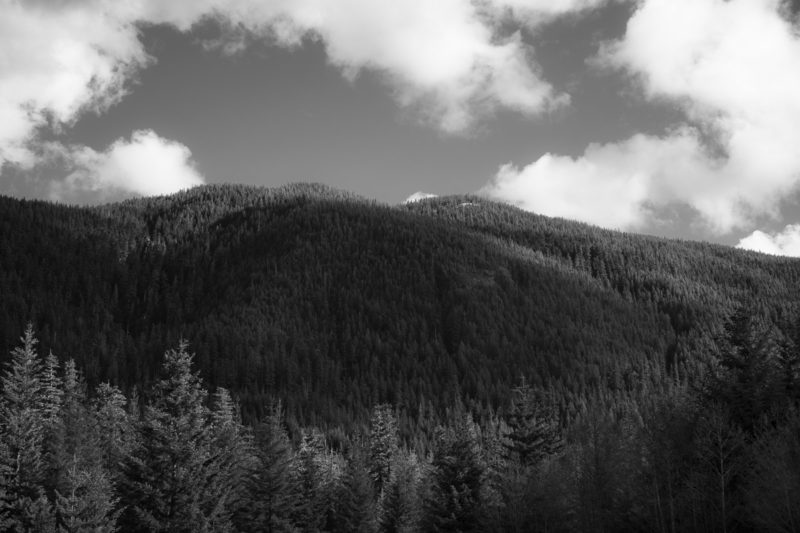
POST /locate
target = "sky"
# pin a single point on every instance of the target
(678, 118)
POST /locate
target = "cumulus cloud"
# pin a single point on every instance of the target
(732, 67)
(58, 60)
(448, 60)
(145, 165)
(445, 59)
(787, 242)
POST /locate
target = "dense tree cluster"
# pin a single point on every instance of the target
(334, 304)
(723, 456)
(449, 365)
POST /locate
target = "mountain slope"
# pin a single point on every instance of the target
(334, 303)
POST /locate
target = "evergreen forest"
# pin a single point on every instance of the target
(236, 358)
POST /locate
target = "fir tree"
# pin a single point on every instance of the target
(88, 503)
(356, 499)
(272, 485)
(233, 454)
(171, 476)
(383, 444)
(22, 436)
(400, 505)
(535, 433)
(114, 427)
(454, 502)
(53, 390)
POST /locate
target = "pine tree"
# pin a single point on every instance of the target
(74, 385)
(356, 499)
(401, 505)
(88, 503)
(53, 390)
(233, 454)
(318, 472)
(115, 431)
(750, 382)
(170, 477)
(22, 437)
(455, 499)
(273, 491)
(383, 444)
(535, 433)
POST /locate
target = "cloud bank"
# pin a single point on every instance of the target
(732, 67)
(786, 242)
(448, 60)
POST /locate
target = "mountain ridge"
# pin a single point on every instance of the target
(334, 303)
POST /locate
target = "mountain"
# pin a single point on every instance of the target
(334, 303)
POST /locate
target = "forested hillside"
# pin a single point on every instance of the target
(301, 359)
(333, 303)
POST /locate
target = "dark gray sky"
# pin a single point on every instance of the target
(672, 117)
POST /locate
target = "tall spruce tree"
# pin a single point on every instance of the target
(401, 507)
(115, 430)
(24, 506)
(749, 383)
(171, 476)
(454, 502)
(355, 506)
(273, 488)
(233, 451)
(535, 432)
(383, 444)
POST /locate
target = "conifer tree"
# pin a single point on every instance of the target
(22, 436)
(88, 503)
(750, 382)
(171, 476)
(535, 433)
(273, 491)
(116, 437)
(53, 390)
(73, 436)
(232, 450)
(318, 472)
(383, 444)
(356, 499)
(455, 499)
(400, 506)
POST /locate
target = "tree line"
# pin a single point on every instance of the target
(721, 455)
(335, 304)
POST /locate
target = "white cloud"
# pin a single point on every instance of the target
(144, 166)
(445, 59)
(787, 242)
(732, 66)
(58, 60)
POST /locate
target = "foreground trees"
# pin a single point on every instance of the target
(721, 457)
